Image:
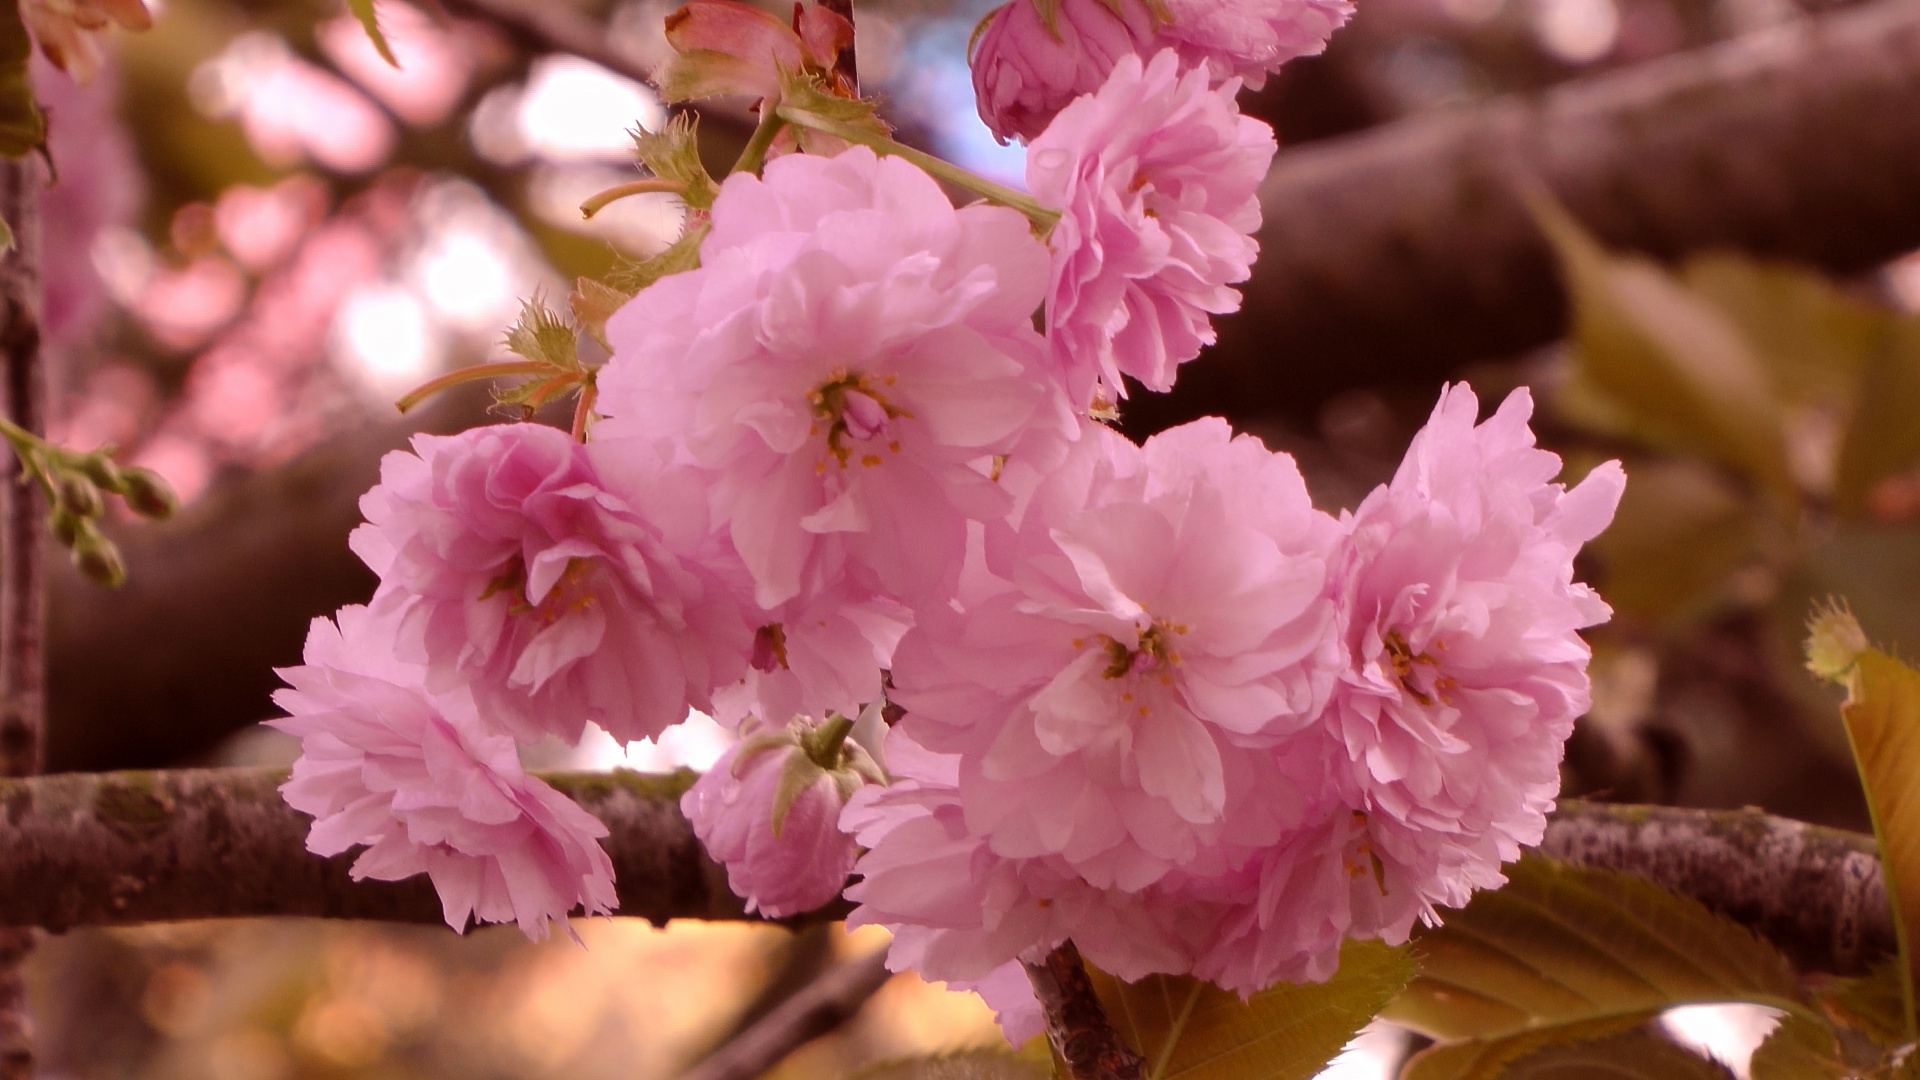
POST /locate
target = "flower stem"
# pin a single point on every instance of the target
(754, 155)
(468, 374)
(583, 408)
(650, 185)
(823, 744)
(1043, 217)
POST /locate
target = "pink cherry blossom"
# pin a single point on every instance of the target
(847, 363)
(1248, 39)
(821, 654)
(769, 810)
(415, 776)
(517, 572)
(1467, 668)
(1156, 176)
(1166, 620)
(1027, 68)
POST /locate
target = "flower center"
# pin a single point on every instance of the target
(770, 648)
(854, 406)
(569, 594)
(1419, 673)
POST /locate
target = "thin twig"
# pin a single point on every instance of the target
(824, 1005)
(23, 515)
(1077, 1023)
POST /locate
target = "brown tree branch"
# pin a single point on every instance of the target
(1814, 892)
(23, 527)
(122, 848)
(1400, 253)
(1077, 1024)
(822, 1006)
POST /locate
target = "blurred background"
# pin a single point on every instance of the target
(262, 234)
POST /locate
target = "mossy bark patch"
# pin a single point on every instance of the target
(132, 806)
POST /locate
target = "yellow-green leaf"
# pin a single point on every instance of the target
(1680, 535)
(1562, 945)
(1640, 1054)
(1882, 715)
(1870, 1003)
(22, 127)
(1814, 340)
(1799, 1049)
(370, 21)
(1883, 437)
(1188, 1030)
(1669, 365)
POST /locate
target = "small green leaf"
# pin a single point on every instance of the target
(1188, 1030)
(1882, 438)
(1668, 365)
(1799, 1049)
(683, 254)
(543, 334)
(1681, 534)
(370, 21)
(22, 127)
(1814, 340)
(1640, 1054)
(1561, 945)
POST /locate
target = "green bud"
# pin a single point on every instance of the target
(149, 494)
(100, 469)
(78, 494)
(65, 525)
(97, 557)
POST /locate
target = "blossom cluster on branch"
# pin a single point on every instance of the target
(848, 460)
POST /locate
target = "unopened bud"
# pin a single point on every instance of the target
(65, 525)
(78, 494)
(97, 557)
(102, 471)
(149, 494)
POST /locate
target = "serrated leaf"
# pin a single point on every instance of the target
(1798, 1049)
(1561, 945)
(1189, 1030)
(1486, 1059)
(682, 255)
(23, 129)
(370, 21)
(1640, 1054)
(1670, 366)
(1882, 715)
(973, 1064)
(1870, 1003)
(1882, 437)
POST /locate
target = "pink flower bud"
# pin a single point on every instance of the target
(1026, 67)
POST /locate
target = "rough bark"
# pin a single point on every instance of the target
(1077, 1024)
(132, 847)
(1815, 892)
(23, 527)
(1402, 252)
(822, 1006)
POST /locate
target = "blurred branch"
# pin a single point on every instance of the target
(1077, 1023)
(23, 529)
(133, 847)
(822, 1006)
(1400, 253)
(1814, 892)
(554, 28)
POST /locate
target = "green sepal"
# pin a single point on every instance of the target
(805, 91)
(798, 774)
(682, 255)
(673, 153)
(370, 21)
(593, 303)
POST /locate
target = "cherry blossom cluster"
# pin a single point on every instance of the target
(849, 466)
